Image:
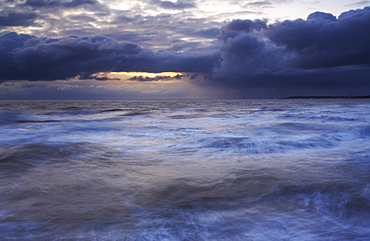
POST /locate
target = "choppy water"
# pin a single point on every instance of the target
(185, 170)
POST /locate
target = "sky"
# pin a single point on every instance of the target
(118, 49)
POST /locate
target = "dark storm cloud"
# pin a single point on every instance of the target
(32, 58)
(280, 54)
(9, 18)
(328, 83)
(324, 41)
(178, 5)
(239, 27)
(246, 51)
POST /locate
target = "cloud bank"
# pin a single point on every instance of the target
(320, 52)
(26, 57)
(321, 41)
(323, 52)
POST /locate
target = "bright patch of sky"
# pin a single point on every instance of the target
(219, 11)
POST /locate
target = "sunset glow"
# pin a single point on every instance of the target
(127, 76)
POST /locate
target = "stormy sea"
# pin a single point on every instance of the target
(185, 169)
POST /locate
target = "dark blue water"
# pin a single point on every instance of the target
(185, 170)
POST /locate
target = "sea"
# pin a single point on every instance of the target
(279, 169)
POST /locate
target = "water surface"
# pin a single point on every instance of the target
(185, 170)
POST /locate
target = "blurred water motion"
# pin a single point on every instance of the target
(185, 170)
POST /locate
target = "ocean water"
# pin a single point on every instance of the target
(185, 170)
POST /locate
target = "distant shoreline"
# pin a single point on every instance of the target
(328, 97)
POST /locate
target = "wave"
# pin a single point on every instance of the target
(188, 116)
(250, 146)
(233, 209)
(22, 157)
(112, 110)
(37, 121)
(134, 113)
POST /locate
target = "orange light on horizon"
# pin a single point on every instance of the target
(130, 76)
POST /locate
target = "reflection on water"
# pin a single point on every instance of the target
(185, 170)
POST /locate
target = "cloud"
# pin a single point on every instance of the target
(247, 54)
(178, 5)
(360, 3)
(210, 33)
(156, 78)
(322, 54)
(253, 48)
(12, 18)
(238, 26)
(259, 3)
(102, 76)
(58, 3)
(168, 61)
(52, 18)
(246, 51)
(32, 58)
(138, 21)
(323, 41)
